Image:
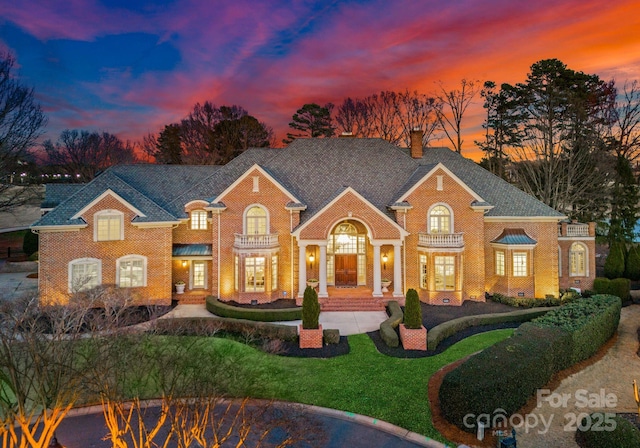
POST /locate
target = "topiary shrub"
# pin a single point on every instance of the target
(30, 243)
(601, 285)
(387, 328)
(412, 310)
(331, 336)
(632, 266)
(614, 264)
(221, 309)
(623, 435)
(310, 309)
(620, 287)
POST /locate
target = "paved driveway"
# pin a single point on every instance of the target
(16, 284)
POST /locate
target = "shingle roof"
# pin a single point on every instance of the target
(313, 170)
(54, 194)
(514, 236)
(186, 250)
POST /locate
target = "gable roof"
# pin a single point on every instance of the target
(312, 171)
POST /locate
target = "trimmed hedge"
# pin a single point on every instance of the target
(222, 309)
(507, 374)
(446, 329)
(331, 336)
(591, 323)
(387, 328)
(624, 435)
(529, 302)
(502, 377)
(209, 326)
(619, 287)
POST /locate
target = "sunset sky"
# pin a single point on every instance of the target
(130, 67)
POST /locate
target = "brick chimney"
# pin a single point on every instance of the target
(416, 143)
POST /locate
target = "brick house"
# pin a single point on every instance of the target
(352, 214)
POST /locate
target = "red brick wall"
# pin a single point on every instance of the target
(57, 249)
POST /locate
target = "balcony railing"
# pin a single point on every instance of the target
(256, 241)
(575, 230)
(441, 240)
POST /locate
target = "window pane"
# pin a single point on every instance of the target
(108, 227)
(499, 263)
(198, 274)
(519, 264)
(445, 273)
(84, 276)
(131, 273)
(439, 220)
(362, 269)
(423, 271)
(254, 274)
(199, 220)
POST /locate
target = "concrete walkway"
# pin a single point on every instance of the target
(609, 381)
(348, 322)
(16, 284)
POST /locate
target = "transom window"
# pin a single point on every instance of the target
(84, 274)
(520, 264)
(577, 260)
(199, 220)
(254, 270)
(256, 221)
(445, 273)
(109, 226)
(132, 271)
(499, 262)
(440, 219)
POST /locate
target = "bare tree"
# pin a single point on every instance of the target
(82, 154)
(626, 128)
(455, 103)
(21, 123)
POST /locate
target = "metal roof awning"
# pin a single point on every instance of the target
(191, 250)
(515, 237)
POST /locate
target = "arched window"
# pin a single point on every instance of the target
(578, 260)
(440, 219)
(199, 220)
(256, 221)
(84, 273)
(131, 271)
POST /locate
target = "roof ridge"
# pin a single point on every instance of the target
(143, 195)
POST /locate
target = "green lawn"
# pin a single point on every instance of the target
(364, 381)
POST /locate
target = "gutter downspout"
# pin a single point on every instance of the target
(291, 251)
(218, 261)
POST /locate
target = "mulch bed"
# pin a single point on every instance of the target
(433, 315)
(292, 348)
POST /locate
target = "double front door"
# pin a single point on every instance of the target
(346, 269)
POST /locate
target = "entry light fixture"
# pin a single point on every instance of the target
(312, 258)
(184, 263)
(384, 260)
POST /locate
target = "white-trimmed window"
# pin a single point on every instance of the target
(499, 262)
(84, 273)
(256, 221)
(236, 270)
(199, 220)
(440, 219)
(423, 271)
(254, 269)
(578, 260)
(274, 272)
(131, 271)
(198, 274)
(445, 273)
(520, 264)
(108, 225)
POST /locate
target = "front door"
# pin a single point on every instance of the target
(346, 271)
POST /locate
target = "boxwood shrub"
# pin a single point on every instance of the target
(206, 326)
(387, 328)
(530, 302)
(624, 435)
(618, 287)
(507, 374)
(446, 329)
(221, 309)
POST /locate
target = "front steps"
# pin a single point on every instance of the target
(352, 304)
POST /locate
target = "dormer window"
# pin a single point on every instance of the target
(109, 226)
(199, 220)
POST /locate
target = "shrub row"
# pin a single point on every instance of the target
(530, 302)
(256, 314)
(208, 326)
(387, 328)
(624, 435)
(591, 322)
(446, 329)
(618, 287)
(507, 374)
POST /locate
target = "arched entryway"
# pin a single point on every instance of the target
(346, 255)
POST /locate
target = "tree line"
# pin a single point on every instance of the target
(568, 138)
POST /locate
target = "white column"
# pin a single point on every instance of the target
(302, 268)
(398, 290)
(323, 270)
(377, 271)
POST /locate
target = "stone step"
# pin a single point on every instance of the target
(190, 300)
(351, 305)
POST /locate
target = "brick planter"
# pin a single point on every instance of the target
(413, 339)
(310, 338)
